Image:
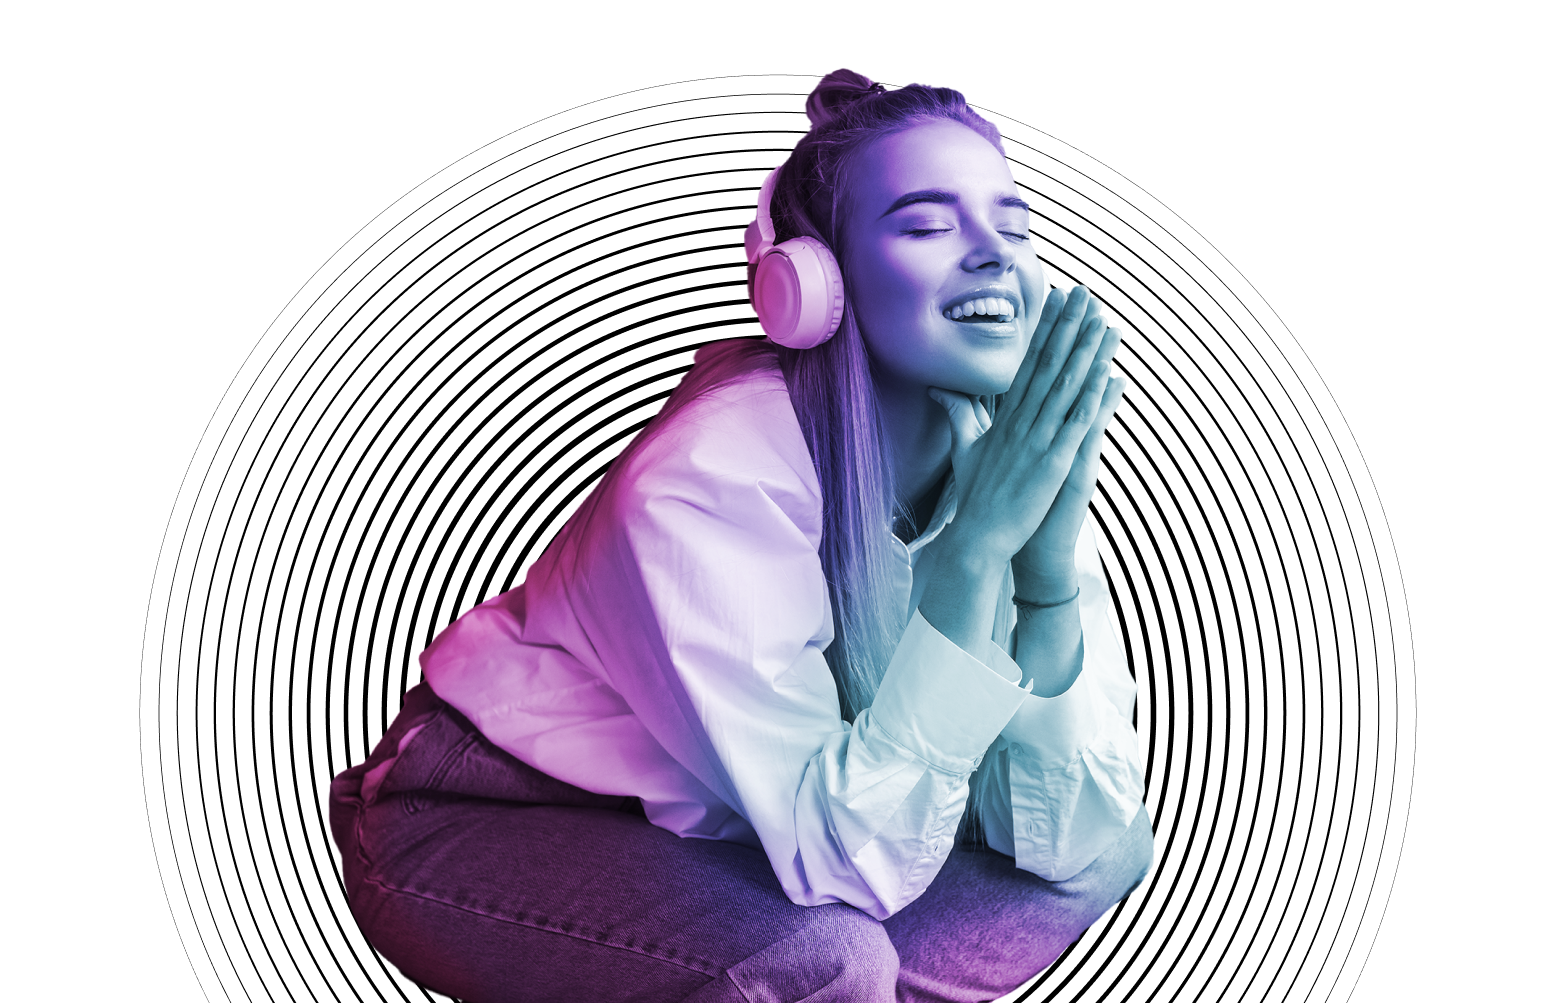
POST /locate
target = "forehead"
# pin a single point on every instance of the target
(939, 154)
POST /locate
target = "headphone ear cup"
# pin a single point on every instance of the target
(797, 290)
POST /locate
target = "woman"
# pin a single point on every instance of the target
(815, 697)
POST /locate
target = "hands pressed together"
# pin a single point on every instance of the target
(1025, 477)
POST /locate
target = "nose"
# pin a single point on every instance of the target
(989, 251)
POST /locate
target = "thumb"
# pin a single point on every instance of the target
(965, 426)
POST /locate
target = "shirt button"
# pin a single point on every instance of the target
(1015, 750)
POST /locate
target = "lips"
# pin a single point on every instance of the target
(983, 306)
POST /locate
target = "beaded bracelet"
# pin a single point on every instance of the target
(1025, 607)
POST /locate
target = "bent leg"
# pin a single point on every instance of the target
(983, 927)
(490, 899)
(497, 902)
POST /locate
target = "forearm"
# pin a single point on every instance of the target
(956, 585)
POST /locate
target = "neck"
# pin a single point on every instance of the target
(918, 435)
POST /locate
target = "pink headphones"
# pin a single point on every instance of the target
(796, 286)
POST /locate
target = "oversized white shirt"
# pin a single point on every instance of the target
(669, 645)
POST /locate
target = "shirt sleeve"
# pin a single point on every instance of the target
(707, 593)
(1064, 778)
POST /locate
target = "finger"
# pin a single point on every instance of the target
(1118, 340)
(1080, 322)
(1055, 348)
(1088, 456)
(1069, 436)
(1081, 311)
(1112, 397)
(1088, 363)
(1107, 350)
(1053, 307)
(981, 412)
(987, 405)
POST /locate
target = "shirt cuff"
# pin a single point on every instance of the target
(1056, 730)
(942, 704)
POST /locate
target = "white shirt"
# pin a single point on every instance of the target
(669, 643)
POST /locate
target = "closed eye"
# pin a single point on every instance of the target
(928, 231)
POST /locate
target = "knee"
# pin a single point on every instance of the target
(851, 937)
(867, 946)
(844, 950)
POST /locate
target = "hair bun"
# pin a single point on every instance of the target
(835, 93)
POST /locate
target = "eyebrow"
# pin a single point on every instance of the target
(939, 196)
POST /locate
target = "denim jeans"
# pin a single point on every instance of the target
(485, 879)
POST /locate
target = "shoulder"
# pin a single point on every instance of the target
(746, 420)
(733, 450)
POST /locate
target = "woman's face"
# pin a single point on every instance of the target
(944, 282)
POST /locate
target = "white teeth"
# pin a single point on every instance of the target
(988, 306)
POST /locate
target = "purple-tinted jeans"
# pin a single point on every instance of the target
(485, 879)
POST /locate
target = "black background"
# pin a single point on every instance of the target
(512, 271)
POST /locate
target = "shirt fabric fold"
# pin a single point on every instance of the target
(669, 645)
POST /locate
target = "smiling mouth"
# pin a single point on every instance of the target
(982, 310)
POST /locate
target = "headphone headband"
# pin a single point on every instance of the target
(764, 214)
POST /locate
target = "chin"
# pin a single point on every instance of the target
(980, 384)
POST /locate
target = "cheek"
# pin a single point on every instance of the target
(900, 274)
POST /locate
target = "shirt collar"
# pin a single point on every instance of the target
(945, 511)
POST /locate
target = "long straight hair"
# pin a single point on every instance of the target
(831, 386)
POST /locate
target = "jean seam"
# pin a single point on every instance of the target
(391, 889)
(446, 764)
(359, 850)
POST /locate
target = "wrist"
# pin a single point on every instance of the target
(969, 556)
(1046, 583)
(961, 587)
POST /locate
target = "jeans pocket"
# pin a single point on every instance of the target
(430, 791)
(374, 779)
(456, 763)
